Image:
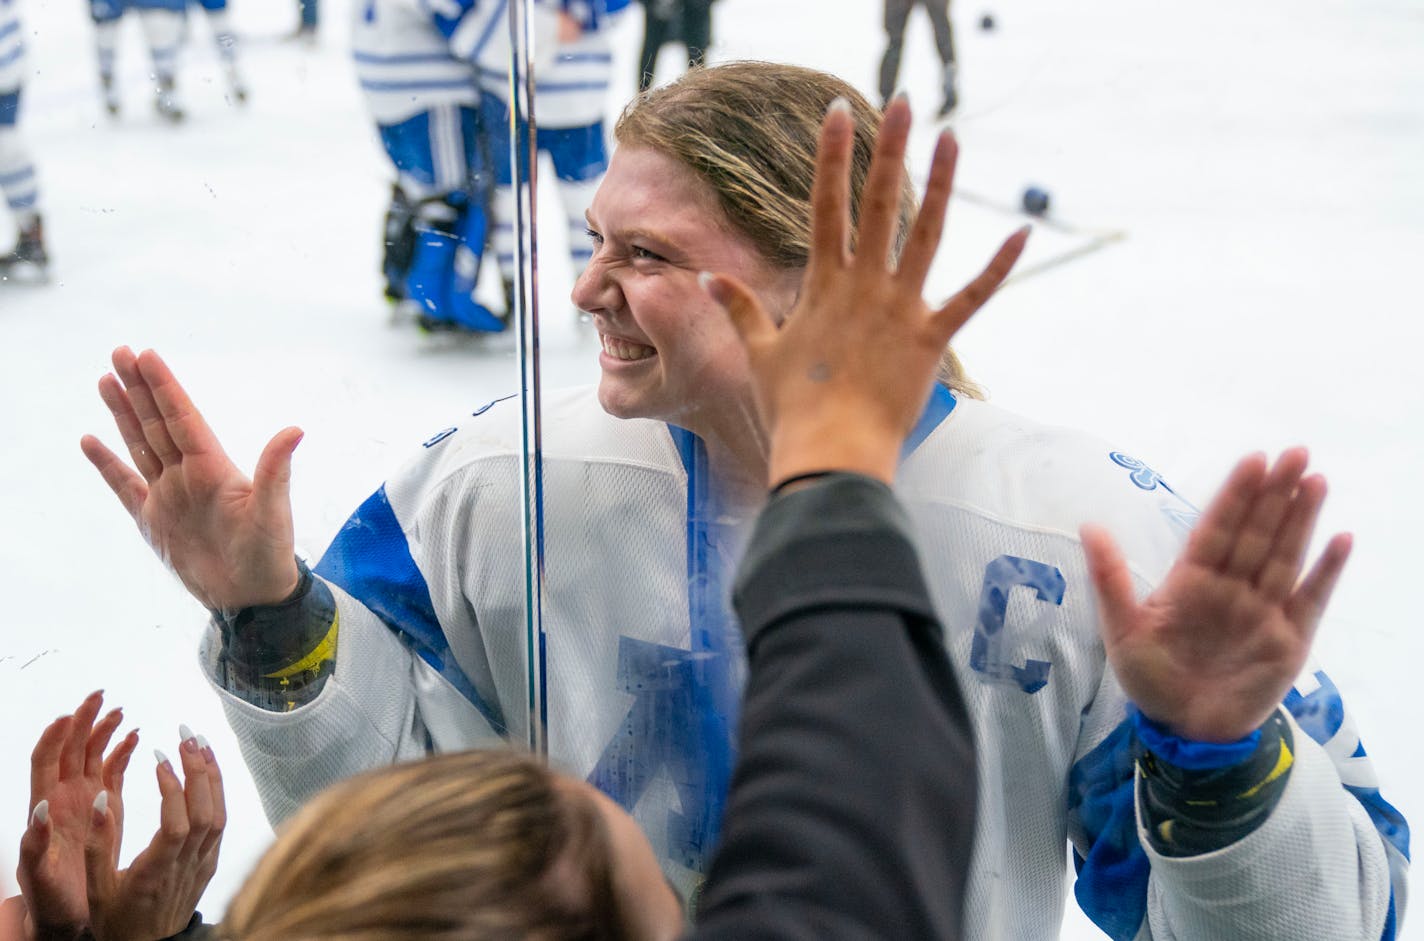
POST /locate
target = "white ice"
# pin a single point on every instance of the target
(1263, 164)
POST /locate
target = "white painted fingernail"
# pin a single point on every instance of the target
(202, 742)
(41, 813)
(839, 103)
(101, 802)
(704, 279)
(162, 758)
(185, 733)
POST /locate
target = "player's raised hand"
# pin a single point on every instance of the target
(229, 538)
(1216, 647)
(67, 776)
(157, 894)
(842, 381)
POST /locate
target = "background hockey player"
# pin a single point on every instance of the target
(572, 71)
(1260, 814)
(163, 23)
(17, 172)
(673, 21)
(225, 40)
(414, 63)
(897, 13)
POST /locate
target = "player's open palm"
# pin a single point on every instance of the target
(229, 538)
(1215, 648)
(850, 368)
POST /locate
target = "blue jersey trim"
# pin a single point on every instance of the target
(494, 22)
(937, 409)
(371, 58)
(20, 176)
(555, 87)
(1321, 715)
(1112, 879)
(370, 560)
(715, 640)
(454, 83)
(1189, 754)
(697, 691)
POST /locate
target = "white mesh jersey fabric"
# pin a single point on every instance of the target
(12, 47)
(996, 502)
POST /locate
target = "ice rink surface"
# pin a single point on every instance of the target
(1238, 218)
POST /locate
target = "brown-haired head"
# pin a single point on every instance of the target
(749, 130)
(469, 846)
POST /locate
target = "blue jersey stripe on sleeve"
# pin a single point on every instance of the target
(372, 58)
(1112, 877)
(370, 560)
(547, 87)
(424, 85)
(937, 409)
(15, 179)
(1321, 715)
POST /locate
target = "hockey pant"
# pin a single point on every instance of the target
(897, 12)
(688, 22)
(440, 196)
(17, 172)
(580, 158)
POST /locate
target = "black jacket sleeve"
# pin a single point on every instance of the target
(851, 812)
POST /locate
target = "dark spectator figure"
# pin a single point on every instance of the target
(897, 12)
(685, 21)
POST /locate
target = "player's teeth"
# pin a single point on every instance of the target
(626, 350)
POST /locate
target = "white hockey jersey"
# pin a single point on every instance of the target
(643, 664)
(405, 62)
(571, 80)
(12, 47)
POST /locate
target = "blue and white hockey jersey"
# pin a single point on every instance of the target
(12, 47)
(407, 65)
(412, 54)
(571, 79)
(643, 666)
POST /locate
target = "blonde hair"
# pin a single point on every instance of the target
(466, 846)
(749, 130)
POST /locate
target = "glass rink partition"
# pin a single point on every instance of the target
(633, 658)
(1180, 297)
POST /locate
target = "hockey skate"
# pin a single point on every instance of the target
(951, 91)
(236, 86)
(165, 102)
(27, 262)
(111, 95)
(304, 34)
(399, 241)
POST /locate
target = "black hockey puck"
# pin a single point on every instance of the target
(986, 22)
(1035, 201)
